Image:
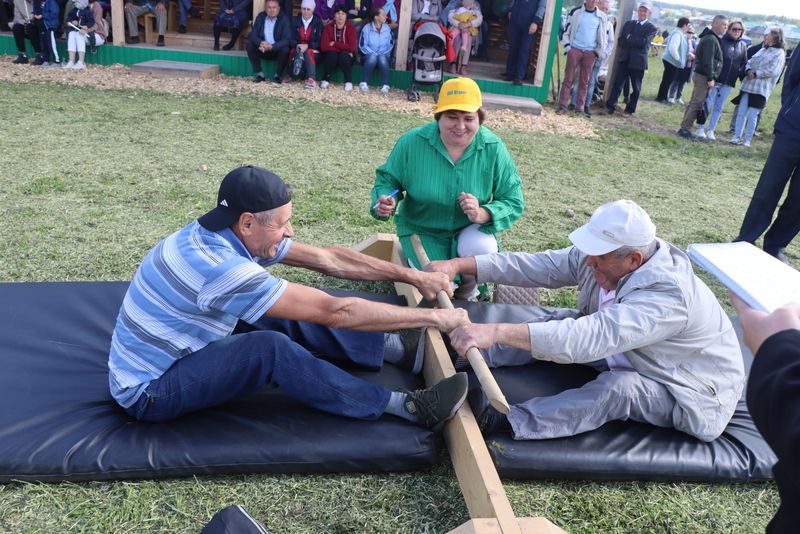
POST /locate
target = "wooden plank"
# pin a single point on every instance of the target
(544, 44)
(403, 32)
(480, 484)
(166, 69)
(486, 525)
(118, 22)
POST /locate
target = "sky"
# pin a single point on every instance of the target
(786, 8)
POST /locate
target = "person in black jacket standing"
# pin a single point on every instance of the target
(773, 398)
(633, 45)
(707, 66)
(782, 166)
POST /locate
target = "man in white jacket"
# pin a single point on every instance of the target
(666, 351)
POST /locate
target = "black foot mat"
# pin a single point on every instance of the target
(59, 422)
(620, 450)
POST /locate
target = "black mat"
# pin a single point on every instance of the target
(620, 450)
(58, 421)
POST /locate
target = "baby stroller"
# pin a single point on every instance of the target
(428, 57)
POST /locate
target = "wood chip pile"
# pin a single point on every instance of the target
(119, 77)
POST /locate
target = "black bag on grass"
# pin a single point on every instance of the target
(702, 114)
(233, 520)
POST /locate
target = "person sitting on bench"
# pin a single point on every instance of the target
(666, 351)
(203, 322)
(270, 39)
(135, 8)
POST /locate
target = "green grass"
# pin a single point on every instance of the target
(91, 180)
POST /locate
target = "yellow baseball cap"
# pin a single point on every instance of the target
(461, 94)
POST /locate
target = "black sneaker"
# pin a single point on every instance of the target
(413, 349)
(516, 82)
(181, 29)
(686, 134)
(489, 419)
(586, 112)
(258, 78)
(561, 110)
(571, 107)
(434, 406)
(21, 59)
(460, 363)
(276, 79)
(160, 41)
(132, 40)
(39, 60)
(229, 46)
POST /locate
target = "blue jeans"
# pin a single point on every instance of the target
(782, 166)
(382, 61)
(717, 96)
(277, 353)
(184, 7)
(589, 89)
(746, 119)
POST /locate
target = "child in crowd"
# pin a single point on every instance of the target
(80, 24)
(465, 22)
(46, 13)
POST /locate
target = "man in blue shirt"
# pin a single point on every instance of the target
(203, 322)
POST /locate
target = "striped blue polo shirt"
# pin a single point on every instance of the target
(190, 290)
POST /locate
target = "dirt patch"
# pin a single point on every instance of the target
(119, 77)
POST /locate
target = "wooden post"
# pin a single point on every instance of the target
(258, 7)
(403, 31)
(480, 484)
(479, 367)
(623, 16)
(544, 43)
(118, 22)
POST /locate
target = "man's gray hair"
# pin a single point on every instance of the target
(719, 18)
(646, 251)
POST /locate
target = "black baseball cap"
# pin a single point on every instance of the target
(249, 188)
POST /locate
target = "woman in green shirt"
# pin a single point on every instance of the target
(457, 184)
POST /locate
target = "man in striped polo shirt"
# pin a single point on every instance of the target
(204, 322)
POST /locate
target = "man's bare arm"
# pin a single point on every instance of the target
(345, 263)
(302, 303)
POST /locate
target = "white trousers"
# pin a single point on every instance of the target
(76, 41)
(473, 242)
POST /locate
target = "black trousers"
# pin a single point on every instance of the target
(341, 59)
(281, 55)
(670, 75)
(782, 166)
(636, 77)
(32, 32)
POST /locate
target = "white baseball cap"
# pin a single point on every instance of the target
(621, 223)
(646, 4)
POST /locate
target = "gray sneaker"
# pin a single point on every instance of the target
(434, 406)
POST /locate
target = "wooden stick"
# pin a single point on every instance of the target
(485, 378)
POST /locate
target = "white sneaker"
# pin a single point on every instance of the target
(348, 87)
(363, 87)
(681, 102)
(671, 100)
(700, 133)
(385, 89)
(746, 143)
(734, 140)
(69, 65)
(324, 84)
(710, 135)
(79, 65)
